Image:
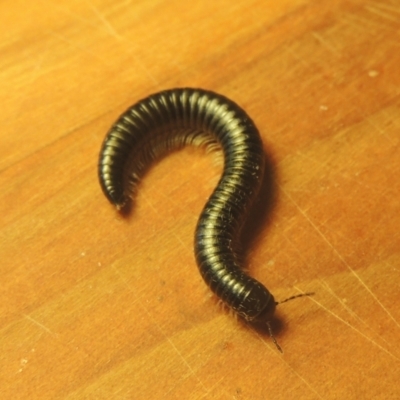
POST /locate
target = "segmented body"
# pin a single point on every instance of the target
(172, 119)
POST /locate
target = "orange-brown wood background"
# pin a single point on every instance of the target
(97, 306)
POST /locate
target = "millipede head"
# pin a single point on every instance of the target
(268, 311)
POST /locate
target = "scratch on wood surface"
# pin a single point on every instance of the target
(290, 367)
(192, 372)
(76, 46)
(327, 162)
(396, 122)
(185, 362)
(110, 29)
(212, 388)
(377, 10)
(372, 295)
(150, 204)
(353, 21)
(76, 16)
(353, 272)
(361, 22)
(167, 394)
(303, 380)
(379, 130)
(39, 64)
(381, 304)
(301, 60)
(324, 42)
(354, 328)
(179, 239)
(126, 283)
(45, 328)
(393, 8)
(350, 311)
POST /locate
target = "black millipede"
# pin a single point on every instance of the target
(169, 120)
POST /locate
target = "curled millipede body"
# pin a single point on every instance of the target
(171, 119)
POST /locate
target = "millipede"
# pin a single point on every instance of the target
(171, 119)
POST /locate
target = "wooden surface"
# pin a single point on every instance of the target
(95, 306)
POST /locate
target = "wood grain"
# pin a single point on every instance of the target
(97, 306)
